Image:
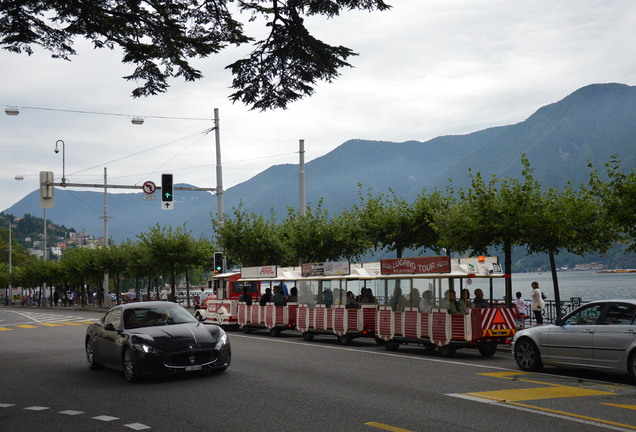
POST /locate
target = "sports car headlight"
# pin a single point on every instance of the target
(148, 349)
(222, 342)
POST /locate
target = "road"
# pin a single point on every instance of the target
(286, 384)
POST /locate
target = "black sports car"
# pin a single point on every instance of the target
(155, 338)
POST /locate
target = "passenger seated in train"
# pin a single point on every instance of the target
(245, 297)
(327, 298)
(479, 301)
(266, 298)
(450, 302)
(464, 302)
(366, 296)
(426, 303)
(397, 300)
(277, 297)
(293, 295)
(352, 303)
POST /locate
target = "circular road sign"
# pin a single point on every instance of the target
(149, 187)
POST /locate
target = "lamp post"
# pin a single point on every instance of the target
(57, 150)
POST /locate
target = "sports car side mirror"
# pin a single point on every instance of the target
(110, 327)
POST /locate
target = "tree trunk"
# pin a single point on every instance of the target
(555, 282)
(508, 272)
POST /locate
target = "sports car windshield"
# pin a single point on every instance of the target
(157, 316)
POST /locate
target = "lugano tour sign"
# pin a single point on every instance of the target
(435, 264)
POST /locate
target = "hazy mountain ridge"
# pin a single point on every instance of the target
(591, 124)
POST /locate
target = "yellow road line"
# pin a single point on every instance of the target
(538, 393)
(26, 326)
(51, 325)
(629, 407)
(5, 329)
(567, 414)
(71, 323)
(386, 427)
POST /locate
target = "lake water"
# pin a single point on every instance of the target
(587, 285)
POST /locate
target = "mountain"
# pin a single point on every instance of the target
(590, 125)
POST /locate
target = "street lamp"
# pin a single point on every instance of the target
(57, 150)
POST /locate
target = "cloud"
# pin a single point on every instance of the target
(426, 68)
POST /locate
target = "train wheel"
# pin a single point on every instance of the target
(447, 350)
(487, 350)
(391, 345)
(274, 332)
(345, 339)
(378, 341)
(246, 330)
(308, 337)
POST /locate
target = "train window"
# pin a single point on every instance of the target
(252, 287)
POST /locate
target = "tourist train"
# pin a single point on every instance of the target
(394, 301)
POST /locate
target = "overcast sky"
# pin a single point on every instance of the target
(426, 68)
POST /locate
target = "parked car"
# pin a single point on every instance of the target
(599, 335)
(155, 338)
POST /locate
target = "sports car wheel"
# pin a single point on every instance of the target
(90, 356)
(131, 370)
(527, 355)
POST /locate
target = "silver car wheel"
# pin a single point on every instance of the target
(527, 355)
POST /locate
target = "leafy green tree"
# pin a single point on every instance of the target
(389, 222)
(170, 251)
(317, 237)
(567, 220)
(490, 214)
(618, 195)
(249, 239)
(161, 37)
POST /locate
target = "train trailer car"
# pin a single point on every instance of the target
(431, 324)
(483, 329)
(267, 316)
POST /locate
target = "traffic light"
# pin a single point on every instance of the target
(167, 194)
(219, 262)
(46, 189)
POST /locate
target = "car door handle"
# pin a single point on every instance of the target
(589, 331)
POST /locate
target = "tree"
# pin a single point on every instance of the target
(249, 239)
(490, 214)
(161, 37)
(388, 222)
(618, 195)
(171, 251)
(318, 237)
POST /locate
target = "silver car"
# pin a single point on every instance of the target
(599, 335)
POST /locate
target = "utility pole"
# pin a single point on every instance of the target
(107, 300)
(219, 171)
(301, 178)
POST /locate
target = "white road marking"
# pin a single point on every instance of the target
(540, 412)
(71, 412)
(105, 418)
(36, 408)
(137, 426)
